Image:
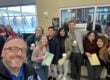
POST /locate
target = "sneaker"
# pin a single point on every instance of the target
(64, 78)
(60, 76)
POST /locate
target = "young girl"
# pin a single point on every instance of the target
(65, 48)
(104, 53)
(90, 47)
(38, 56)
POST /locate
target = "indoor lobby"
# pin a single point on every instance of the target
(25, 15)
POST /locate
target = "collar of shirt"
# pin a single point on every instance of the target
(20, 76)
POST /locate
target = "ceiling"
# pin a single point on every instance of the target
(4, 3)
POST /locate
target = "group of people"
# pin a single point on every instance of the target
(22, 60)
(75, 44)
(5, 33)
(99, 45)
(13, 56)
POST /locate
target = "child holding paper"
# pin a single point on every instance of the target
(38, 55)
(90, 48)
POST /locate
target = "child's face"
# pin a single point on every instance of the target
(100, 43)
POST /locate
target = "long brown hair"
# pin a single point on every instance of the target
(103, 52)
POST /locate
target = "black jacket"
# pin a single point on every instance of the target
(28, 72)
(2, 41)
(108, 68)
(54, 48)
(31, 39)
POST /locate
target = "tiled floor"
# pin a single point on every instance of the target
(82, 78)
(69, 78)
(84, 74)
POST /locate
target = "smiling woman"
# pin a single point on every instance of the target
(104, 46)
(39, 54)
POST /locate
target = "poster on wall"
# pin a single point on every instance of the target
(55, 22)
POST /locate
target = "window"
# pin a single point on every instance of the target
(95, 16)
(21, 18)
(81, 15)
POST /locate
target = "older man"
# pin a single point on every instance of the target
(12, 65)
(32, 41)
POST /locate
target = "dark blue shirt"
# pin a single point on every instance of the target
(20, 75)
(54, 48)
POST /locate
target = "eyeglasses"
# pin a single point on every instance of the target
(16, 49)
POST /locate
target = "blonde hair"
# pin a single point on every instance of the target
(40, 44)
(71, 21)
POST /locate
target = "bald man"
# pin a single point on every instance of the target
(12, 65)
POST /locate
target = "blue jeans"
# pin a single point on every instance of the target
(43, 72)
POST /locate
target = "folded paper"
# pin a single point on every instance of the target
(48, 59)
(94, 60)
